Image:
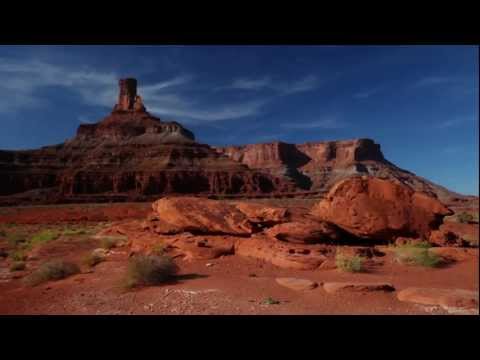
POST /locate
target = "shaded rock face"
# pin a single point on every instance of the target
(128, 155)
(381, 210)
(315, 167)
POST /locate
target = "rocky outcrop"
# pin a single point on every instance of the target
(316, 166)
(337, 287)
(131, 155)
(297, 284)
(380, 210)
(306, 232)
(455, 234)
(128, 155)
(186, 214)
(198, 228)
(448, 299)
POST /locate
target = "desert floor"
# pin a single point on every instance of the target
(227, 285)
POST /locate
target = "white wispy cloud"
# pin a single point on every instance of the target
(251, 84)
(436, 80)
(450, 150)
(149, 90)
(190, 113)
(307, 83)
(325, 123)
(453, 122)
(20, 81)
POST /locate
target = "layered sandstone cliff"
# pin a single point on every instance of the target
(133, 155)
(316, 166)
(129, 154)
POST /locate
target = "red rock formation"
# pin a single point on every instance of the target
(381, 210)
(132, 155)
(316, 167)
(129, 155)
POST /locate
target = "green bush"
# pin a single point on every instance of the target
(18, 255)
(417, 256)
(465, 218)
(18, 265)
(53, 270)
(271, 301)
(74, 232)
(349, 263)
(149, 270)
(43, 237)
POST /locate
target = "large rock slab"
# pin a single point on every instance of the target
(448, 299)
(297, 284)
(380, 209)
(336, 287)
(305, 232)
(281, 254)
(262, 214)
(199, 216)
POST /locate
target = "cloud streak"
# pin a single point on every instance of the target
(435, 80)
(22, 81)
(307, 83)
(451, 123)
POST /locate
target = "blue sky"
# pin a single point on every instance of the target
(419, 102)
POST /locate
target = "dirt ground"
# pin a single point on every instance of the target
(227, 285)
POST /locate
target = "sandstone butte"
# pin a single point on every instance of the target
(131, 155)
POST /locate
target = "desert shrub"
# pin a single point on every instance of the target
(109, 242)
(417, 245)
(465, 218)
(150, 270)
(43, 237)
(93, 259)
(271, 301)
(53, 270)
(18, 255)
(74, 232)
(349, 263)
(17, 266)
(475, 217)
(16, 239)
(409, 255)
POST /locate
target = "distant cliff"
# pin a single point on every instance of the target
(316, 166)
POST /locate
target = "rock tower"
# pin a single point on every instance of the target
(128, 100)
